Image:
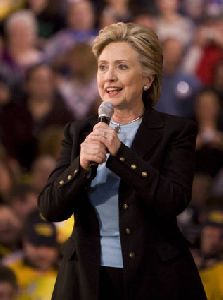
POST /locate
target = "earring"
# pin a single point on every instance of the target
(145, 88)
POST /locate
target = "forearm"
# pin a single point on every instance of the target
(61, 196)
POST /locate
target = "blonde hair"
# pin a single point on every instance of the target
(145, 42)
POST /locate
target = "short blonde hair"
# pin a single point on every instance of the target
(145, 42)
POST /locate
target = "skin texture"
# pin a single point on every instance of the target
(120, 81)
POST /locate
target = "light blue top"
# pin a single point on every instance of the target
(104, 197)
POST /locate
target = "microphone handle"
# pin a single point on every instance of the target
(104, 119)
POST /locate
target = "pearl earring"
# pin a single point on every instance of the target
(145, 88)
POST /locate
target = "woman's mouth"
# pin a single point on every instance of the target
(113, 91)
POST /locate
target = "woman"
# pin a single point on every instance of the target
(126, 244)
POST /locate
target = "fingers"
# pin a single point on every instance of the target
(101, 140)
(108, 136)
(92, 152)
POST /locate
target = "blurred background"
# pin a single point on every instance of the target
(48, 78)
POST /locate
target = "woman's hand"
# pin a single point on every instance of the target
(101, 140)
(108, 136)
(92, 150)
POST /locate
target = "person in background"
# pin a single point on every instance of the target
(212, 52)
(50, 141)
(211, 240)
(171, 24)
(206, 50)
(48, 16)
(40, 170)
(21, 41)
(195, 10)
(23, 200)
(125, 183)
(40, 107)
(8, 284)
(80, 28)
(143, 17)
(10, 231)
(209, 145)
(37, 259)
(120, 9)
(178, 87)
(79, 90)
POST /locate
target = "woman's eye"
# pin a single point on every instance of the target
(101, 67)
(123, 66)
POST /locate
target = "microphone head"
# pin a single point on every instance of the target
(105, 110)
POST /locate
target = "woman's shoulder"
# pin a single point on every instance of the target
(79, 126)
(178, 123)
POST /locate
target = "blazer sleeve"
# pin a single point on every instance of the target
(60, 197)
(166, 191)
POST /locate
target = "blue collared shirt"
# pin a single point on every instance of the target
(104, 197)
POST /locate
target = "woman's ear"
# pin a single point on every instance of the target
(148, 82)
(150, 79)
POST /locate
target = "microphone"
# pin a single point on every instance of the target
(105, 112)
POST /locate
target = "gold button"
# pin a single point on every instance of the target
(132, 254)
(125, 206)
(75, 171)
(69, 177)
(61, 182)
(121, 158)
(133, 167)
(128, 230)
(144, 174)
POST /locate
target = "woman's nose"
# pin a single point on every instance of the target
(111, 74)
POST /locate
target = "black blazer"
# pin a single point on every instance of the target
(156, 177)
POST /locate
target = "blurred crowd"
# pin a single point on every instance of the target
(48, 78)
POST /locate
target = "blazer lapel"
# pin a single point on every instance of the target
(149, 132)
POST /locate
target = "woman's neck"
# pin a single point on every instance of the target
(126, 116)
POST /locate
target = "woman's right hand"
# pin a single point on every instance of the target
(92, 150)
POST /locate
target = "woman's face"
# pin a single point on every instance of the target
(120, 76)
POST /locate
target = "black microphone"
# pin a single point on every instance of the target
(105, 112)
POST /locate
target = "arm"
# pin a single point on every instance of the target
(67, 184)
(166, 191)
(59, 198)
